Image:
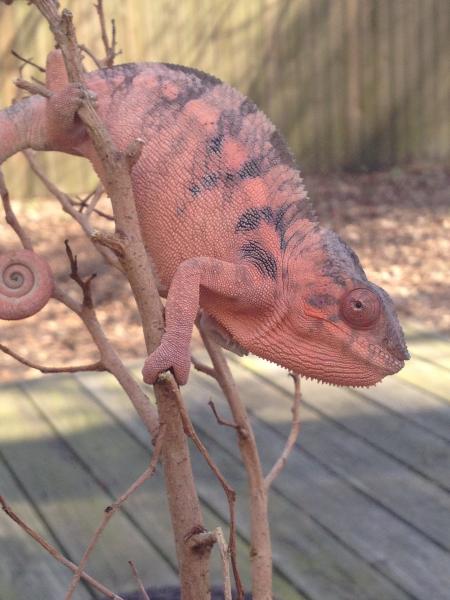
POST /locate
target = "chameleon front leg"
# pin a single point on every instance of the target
(238, 282)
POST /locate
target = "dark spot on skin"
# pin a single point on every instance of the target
(334, 318)
(321, 300)
(261, 258)
(249, 220)
(282, 151)
(195, 190)
(229, 179)
(250, 169)
(229, 123)
(210, 180)
(216, 143)
(247, 107)
(332, 270)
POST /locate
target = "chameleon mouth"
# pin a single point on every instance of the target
(380, 357)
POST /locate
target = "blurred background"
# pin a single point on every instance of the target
(352, 84)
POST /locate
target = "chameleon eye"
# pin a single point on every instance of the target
(361, 307)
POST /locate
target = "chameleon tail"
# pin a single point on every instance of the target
(26, 284)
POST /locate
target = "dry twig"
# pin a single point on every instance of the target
(55, 553)
(97, 366)
(292, 437)
(28, 61)
(114, 507)
(10, 216)
(224, 554)
(141, 587)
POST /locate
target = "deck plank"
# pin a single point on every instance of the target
(413, 404)
(70, 499)
(428, 345)
(427, 376)
(390, 433)
(24, 565)
(363, 525)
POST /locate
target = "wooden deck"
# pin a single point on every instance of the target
(362, 510)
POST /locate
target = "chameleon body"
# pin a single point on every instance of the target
(226, 221)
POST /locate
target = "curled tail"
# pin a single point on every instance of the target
(26, 284)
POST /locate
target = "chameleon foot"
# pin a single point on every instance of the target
(168, 355)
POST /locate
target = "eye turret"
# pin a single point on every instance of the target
(361, 308)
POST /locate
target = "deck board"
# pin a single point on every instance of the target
(24, 566)
(71, 501)
(361, 511)
(310, 485)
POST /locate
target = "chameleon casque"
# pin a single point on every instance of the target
(226, 220)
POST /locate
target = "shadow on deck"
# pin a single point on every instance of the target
(361, 510)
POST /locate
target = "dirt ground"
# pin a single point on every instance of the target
(397, 221)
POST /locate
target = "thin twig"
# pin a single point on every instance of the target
(142, 589)
(33, 87)
(28, 61)
(55, 553)
(223, 422)
(114, 507)
(97, 62)
(97, 366)
(224, 554)
(10, 216)
(110, 48)
(85, 284)
(292, 437)
(203, 368)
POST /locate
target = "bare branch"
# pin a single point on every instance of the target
(33, 87)
(10, 216)
(221, 421)
(28, 61)
(202, 368)
(141, 587)
(292, 437)
(85, 284)
(224, 554)
(97, 62)
(55, 553)
(97, 366)
(110, 48)
(114, 507)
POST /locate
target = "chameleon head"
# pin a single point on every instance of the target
(335, 325)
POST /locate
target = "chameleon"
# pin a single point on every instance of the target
(226, 220)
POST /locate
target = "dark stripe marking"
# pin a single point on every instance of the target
(249, 220)
(261, 258)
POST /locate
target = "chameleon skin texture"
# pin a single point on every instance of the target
(226, 221)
